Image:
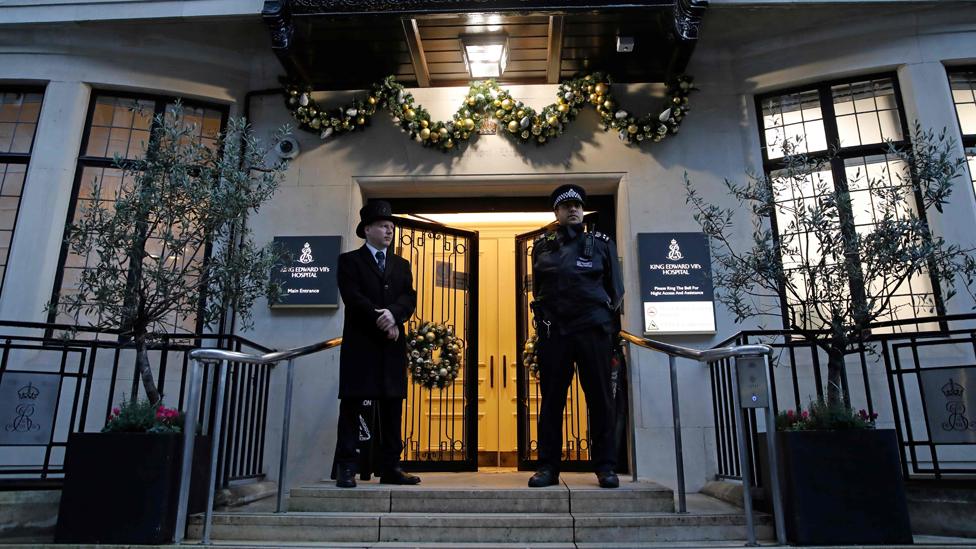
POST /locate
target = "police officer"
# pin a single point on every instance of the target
(578, 291)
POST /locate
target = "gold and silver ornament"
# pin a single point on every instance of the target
(485, 99)
(530, 357)
(433, 355)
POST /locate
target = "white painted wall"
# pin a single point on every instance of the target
(742, 52)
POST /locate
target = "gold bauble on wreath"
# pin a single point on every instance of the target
(530, 357)
(426, 368)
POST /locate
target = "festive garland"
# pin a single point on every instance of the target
(487, 100)
(425, 369)
(530, 357)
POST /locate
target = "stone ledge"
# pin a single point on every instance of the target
(28, 514)
(242, 494)
(729, 492)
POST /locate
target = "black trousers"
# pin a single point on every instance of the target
(389, 414)
(590, 350)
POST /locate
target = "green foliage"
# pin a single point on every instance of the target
(150, 242)
(839, 271)
(486, 100)
(147, 240)
(820, 416)
(142, 416)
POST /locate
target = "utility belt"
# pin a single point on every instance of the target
(542, 320)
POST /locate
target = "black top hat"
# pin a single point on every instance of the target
(374, 210)
(565, 193)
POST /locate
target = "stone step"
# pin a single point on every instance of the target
(573, 494)
(479, 527)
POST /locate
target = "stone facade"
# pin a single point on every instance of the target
(218, 51)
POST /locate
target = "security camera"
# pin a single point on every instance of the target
(287, 148)
(625, 44)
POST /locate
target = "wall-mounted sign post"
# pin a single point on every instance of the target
(676, 283)
(308, 276)
(752, 391)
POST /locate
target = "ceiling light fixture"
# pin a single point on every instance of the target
(485, 55)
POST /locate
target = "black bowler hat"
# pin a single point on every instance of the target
(374, 210)
(565, 193)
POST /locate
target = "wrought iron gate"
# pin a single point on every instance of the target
(440, 426)
(576, 437)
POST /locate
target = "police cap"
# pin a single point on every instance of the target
(566, 193)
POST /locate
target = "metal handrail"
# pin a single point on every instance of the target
(705, 357)
(709, 356)
(221, 357)
(216, 355)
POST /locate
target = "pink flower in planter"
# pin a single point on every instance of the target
(805, 415)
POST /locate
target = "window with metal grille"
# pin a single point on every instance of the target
(844, 128)
(120, 126)
(963, 84)
(20, 109)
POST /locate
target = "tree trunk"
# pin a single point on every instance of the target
(836, 396)
(144, 371)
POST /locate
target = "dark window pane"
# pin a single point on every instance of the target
(793, 120)
(867, 112)
(11, 184)
(18, 120)
(121, 126)
(963, 86)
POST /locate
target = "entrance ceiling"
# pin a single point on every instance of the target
(350, 44)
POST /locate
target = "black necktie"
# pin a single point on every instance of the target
(381, 261)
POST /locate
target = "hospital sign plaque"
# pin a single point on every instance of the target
(676, 283)
(308, 273)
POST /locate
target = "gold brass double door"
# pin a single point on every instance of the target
(476, 278)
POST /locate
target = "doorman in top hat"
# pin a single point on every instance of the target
(578, 291)
(377, 289)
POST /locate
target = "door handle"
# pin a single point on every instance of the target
(491, 372)
(504, 370)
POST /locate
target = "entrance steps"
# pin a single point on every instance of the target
(485, 508)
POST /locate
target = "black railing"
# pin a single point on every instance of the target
(882, 376)
(90, 372)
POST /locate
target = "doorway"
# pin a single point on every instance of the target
(505, 394)
(498, 356)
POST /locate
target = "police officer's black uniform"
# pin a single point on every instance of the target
(578, 291)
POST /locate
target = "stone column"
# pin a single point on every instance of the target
(928, 99)
(36, 245)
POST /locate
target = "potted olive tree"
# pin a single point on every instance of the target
(832, 277)
(183, 197)
(121, 484)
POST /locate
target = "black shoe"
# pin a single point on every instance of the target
(399, 476)
(608, 479)
(345, 477)
(544, 477)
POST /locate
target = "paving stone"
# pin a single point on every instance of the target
(473, 527)
(362, 527)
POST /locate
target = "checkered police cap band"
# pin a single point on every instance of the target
(571, 194)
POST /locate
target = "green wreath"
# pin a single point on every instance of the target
(430, 369)
(530, 356)
(487, 100)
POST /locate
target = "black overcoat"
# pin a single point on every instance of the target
(371, 365)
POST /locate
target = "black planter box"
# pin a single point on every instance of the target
(843, 487)
(124, 487)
